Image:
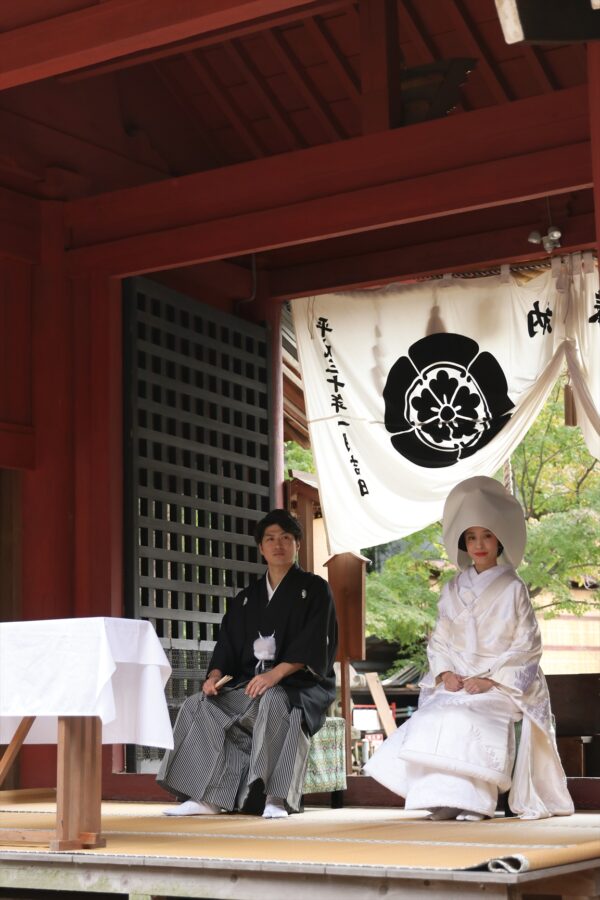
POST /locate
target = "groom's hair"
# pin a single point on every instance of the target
(286, 521)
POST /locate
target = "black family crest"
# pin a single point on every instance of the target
(445, 400)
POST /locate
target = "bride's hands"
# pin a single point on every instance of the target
(478, 685)
(452, 681)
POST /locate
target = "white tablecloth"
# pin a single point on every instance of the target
(112, 668)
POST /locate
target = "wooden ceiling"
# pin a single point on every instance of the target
(100, 98)
(282, 82)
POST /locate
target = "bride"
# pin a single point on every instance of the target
(458, 750)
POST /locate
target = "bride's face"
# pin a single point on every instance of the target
(482, 546)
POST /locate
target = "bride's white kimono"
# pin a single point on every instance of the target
(458, 749)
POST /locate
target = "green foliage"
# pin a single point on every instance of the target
(563, 547)
(558, 484)
(553, 470)
(402, 597)
(296, 457)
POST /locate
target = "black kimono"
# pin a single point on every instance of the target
(301, 615)
(227, 743)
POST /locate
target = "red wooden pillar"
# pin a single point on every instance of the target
(268, 311)
(47, 489)
(274, 329)
(47, 511)
(17, 448)
(98, 442)
(593, 55)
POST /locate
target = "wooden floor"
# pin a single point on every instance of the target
(347, 853)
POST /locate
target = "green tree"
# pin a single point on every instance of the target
(558, 483)
(563, 549)
(553, 470)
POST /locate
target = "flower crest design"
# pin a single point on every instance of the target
(525, 677)
(445, 400)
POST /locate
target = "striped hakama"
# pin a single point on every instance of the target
(224, 744)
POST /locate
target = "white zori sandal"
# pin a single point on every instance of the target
(193, 808)
(274, 808)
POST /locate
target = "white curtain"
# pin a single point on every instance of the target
(412, 388)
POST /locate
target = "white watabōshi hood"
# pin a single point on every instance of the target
(484, 502)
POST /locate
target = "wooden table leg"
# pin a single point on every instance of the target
(11, 752)
(79, 784)
(92, 785)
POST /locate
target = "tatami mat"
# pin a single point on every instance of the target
(390, 838)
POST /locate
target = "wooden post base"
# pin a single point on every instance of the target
(79, 844)
(78, 785)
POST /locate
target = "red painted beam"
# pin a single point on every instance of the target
(380, 65)
(218, 283)
(116, 28)
(495, 183)
(547, 121)
(103, 164)
(473, 46)
(448, 254)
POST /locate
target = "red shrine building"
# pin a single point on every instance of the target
(170, 175)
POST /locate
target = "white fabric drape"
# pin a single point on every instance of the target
(582, 348)
(351, 347)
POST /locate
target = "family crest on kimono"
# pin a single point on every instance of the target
(277, 643)
(458, 751)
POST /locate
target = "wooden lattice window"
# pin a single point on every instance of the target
(198, 473)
